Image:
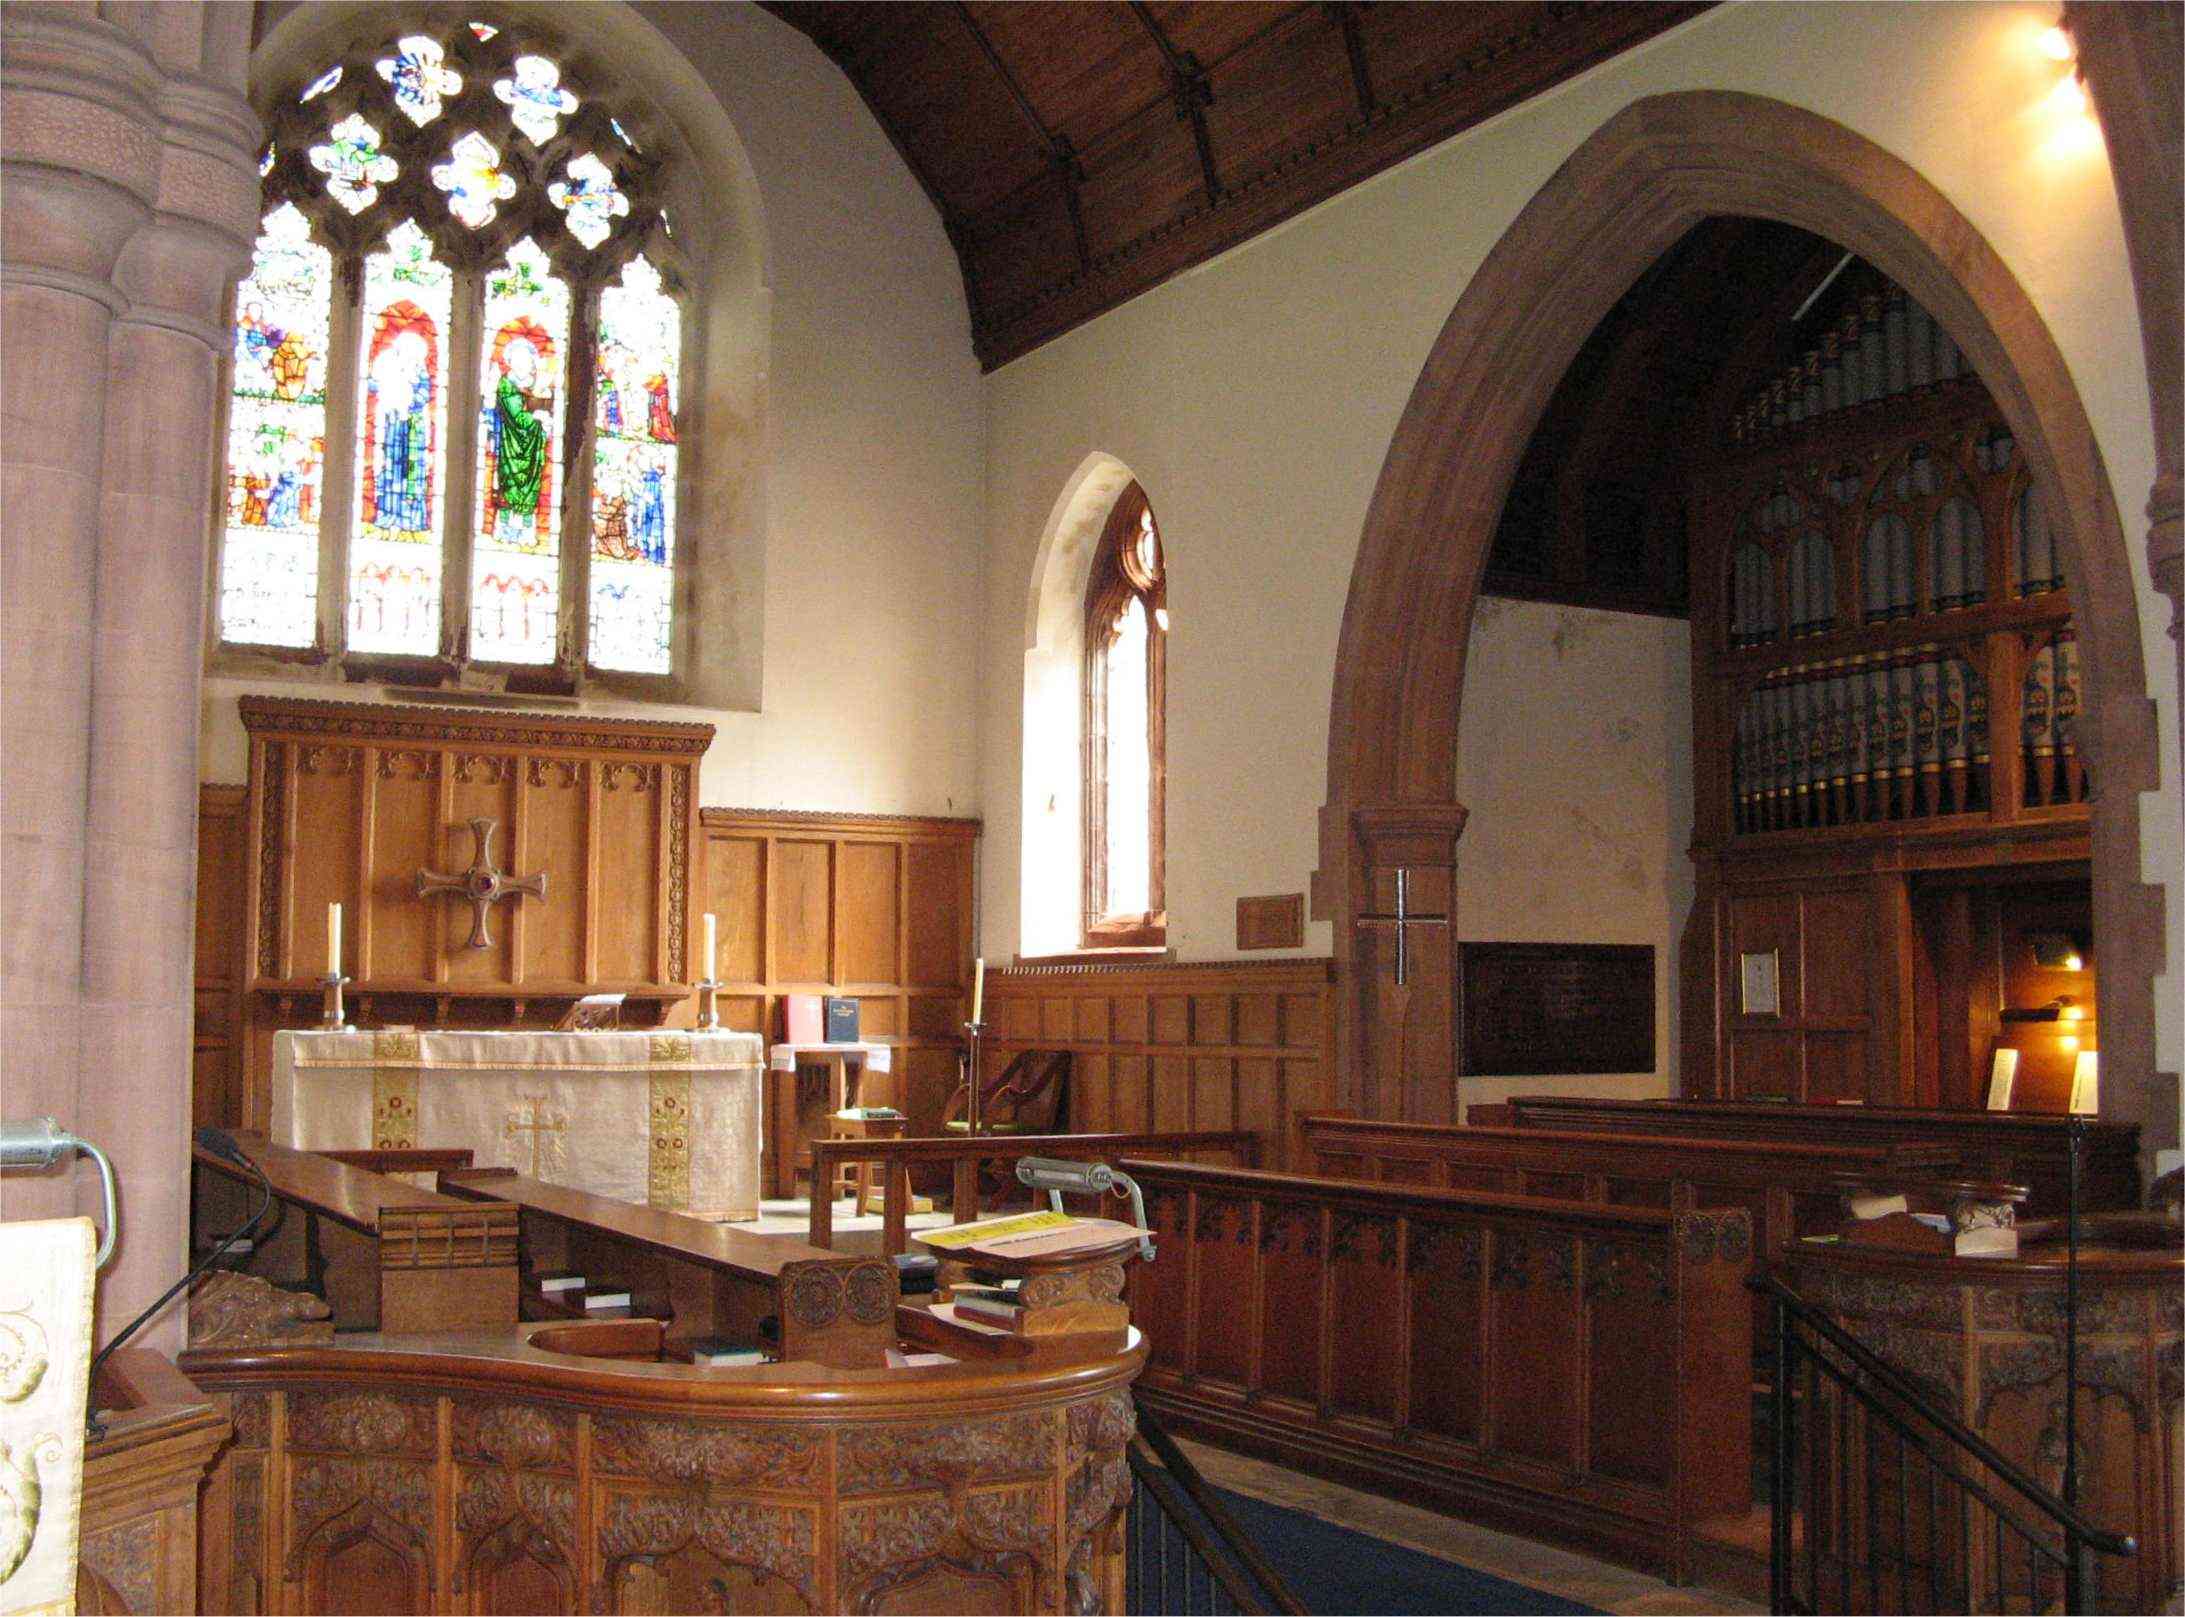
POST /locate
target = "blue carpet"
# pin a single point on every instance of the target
(1336, 1570)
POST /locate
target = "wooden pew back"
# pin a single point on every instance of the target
(1574, 1371)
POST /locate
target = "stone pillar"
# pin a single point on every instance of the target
(129, 156)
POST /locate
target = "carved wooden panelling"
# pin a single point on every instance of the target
(1220, 1045)
(223, 884)
(870, 907)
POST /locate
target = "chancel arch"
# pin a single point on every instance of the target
(1637, 187)
(551, 239)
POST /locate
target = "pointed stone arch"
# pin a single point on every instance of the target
(1632, 190)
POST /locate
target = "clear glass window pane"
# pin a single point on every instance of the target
(515, 591)
(269, 566)
(1129, 766)
(635, 388)
(394, 556)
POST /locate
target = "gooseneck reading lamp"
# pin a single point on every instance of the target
(40, 1142)
(1059, 1178)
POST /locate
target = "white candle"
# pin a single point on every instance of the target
(333, 940)
(978, 986)
(709, 945)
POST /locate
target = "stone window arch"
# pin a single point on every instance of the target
(1125, 731)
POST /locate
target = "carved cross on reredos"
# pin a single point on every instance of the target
(1403, 920)
(481, 884)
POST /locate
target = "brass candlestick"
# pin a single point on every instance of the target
(974, 1112)
(333, 1019)
(709, 1006)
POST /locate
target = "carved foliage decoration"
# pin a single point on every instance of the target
(666, 1451)
(776, 1539)
(520, 1436)
(504, 1518)
(948, 1455)
(946, 1541)
(239, 1310)
(342, 1506)
(364, 1423)
(273, 813)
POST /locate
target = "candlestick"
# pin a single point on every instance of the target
(709, 1003)
(978, 988)
(974, 1113)
(333, 1019)
(709, 935)
(333, 940)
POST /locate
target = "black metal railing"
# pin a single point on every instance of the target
(1880, 1501)
(1187, 1553)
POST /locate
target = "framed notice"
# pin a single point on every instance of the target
(2001, 1077)
(1555, 1008)
(1760, 984)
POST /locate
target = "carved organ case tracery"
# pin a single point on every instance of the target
(1886, 682)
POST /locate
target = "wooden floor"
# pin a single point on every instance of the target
(1561, 1572)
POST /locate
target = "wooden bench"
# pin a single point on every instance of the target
(1576, 1372)
(385, 1255)
(2025, 1148)
(699, 1278)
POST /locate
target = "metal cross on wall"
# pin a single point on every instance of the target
(481, 884)
(1403, 921)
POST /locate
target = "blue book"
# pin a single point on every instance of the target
(841, 1024)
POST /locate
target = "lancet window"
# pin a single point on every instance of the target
(1126, 677)
(452, 433)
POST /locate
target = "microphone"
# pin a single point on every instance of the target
(40, 1142)
(219, 1143)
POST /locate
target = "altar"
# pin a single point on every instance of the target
(664, 1119)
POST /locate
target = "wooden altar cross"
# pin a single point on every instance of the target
(1402, 921)
(481, 884)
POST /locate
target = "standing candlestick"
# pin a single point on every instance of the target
(709, 1003)
(334, 1019)
(974, 1113)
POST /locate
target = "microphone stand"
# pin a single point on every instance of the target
(221, 1144)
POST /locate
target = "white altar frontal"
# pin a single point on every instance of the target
(663, 1119)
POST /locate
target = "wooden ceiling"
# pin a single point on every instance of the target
(1082, 151)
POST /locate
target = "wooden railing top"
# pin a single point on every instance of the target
(351, 1196)
(674, 1235)
(1402, 1199)
(958, 1147)
(1816, 1116)
(1904, 1154)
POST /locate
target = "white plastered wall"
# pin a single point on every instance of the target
(841, 434)
(1258, 395)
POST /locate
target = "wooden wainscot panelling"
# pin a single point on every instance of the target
(873, 907)
(223, 861)
(1169, 1045)
(1475, 1350)
(349, 802)
(141, 1475)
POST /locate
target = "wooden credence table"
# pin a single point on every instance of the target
(385, 1255)
(1575, 1372)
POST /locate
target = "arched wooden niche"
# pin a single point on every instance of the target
(1645, 178)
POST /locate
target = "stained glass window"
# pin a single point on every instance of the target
(394, 559)
(516, 550)
(633, 473)
(473, 180)
(419, 75)
(590, 199)
(354, 166)
(491, 575)
(269, 569)
(536, 101)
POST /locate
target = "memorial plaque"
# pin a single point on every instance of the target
(1556, 1008)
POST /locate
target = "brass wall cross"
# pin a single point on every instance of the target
(481, 884)
(1403, 921)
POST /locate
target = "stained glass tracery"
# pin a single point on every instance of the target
(353, 163)
(535, 98)
(474, 181)
(394, 559)
(590, 200)
(269, 578)
(419, 76)
(633, 473)
(516, 544)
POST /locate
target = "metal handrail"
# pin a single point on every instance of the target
(1880, 1371)
(1194, 1508)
